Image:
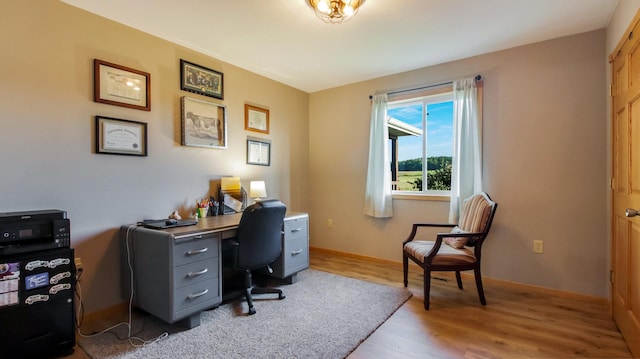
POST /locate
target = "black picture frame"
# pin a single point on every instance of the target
(201, 80)
(116, 136)
(258, 152)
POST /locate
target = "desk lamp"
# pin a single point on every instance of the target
(257, 189)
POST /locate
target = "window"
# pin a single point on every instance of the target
(421, 143)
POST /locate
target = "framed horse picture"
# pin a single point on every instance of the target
(204, 124)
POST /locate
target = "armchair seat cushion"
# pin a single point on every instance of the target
(446, 255)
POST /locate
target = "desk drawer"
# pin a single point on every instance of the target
(195, 272)
(296, 228)
(196, 248)
(199, 295)
(295, 255)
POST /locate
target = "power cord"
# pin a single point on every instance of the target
(131, 337)
(78, 294)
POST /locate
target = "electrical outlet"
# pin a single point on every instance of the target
(330, 223)
(538, 246)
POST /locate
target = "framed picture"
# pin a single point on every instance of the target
(256, 119)
(201, 80)
(120, 137)
(121, 86)
(204, 124)
(258, 152)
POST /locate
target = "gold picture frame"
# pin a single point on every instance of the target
(256, 119)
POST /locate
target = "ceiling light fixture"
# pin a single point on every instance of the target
(335, 11)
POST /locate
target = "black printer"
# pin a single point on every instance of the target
(30, 231)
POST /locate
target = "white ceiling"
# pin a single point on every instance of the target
(285, 41)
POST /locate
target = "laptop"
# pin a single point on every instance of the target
(162, 223)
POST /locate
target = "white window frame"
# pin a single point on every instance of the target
(424, 100)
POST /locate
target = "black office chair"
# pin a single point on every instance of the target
(258, 243)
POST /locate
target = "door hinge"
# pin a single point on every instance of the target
(611, 276)
(611, 182)
(610, 90)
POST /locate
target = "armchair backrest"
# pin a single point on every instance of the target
(477, 215)
(259, 234)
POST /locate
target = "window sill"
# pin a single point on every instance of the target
(420, 197)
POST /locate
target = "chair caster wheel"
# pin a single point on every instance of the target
(252, 311)
(281, 296)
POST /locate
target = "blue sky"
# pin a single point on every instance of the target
(439, 131)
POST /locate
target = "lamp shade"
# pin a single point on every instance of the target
(257, 189)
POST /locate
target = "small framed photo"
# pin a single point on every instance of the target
(121, 86)
(204, 124)
(256, 119)
(120, 137)
(258, 152)
(201, 80)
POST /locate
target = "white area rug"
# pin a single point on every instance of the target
(322, 316)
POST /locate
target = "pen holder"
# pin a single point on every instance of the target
(202, 212)
(213, 209)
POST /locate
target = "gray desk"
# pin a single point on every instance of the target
(177, 272)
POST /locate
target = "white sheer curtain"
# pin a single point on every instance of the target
(377, 198)
(466, 171)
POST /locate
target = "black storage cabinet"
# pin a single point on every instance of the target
(37, 320)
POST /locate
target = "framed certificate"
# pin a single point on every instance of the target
(120, 137)
(256, 119)
(258, 152)
(121, 86)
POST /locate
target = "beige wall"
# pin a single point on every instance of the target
(620, 20)
(545, 164)
(47, 116)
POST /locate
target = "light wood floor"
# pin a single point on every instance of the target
(517, 322)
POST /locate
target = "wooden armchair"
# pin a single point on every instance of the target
(462, 247)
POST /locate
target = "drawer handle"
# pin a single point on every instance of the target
(197, 251)
(297, 252)
(193, 274)
(193, 296)
(199, 236)
(296, 230)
